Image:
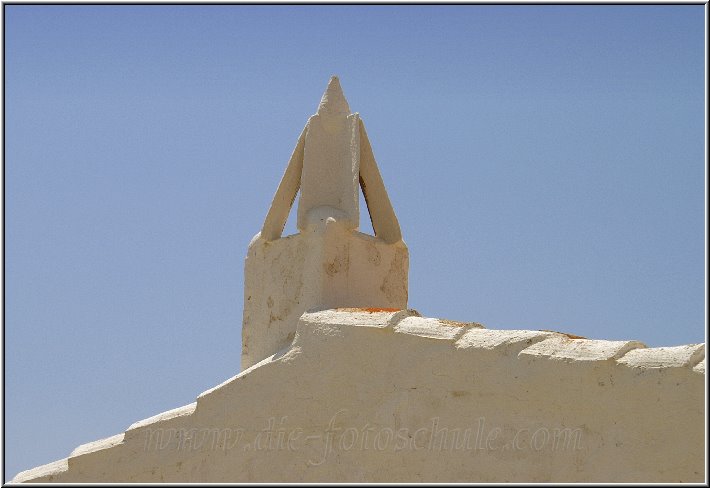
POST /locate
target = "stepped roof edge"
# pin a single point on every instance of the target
(462, 337)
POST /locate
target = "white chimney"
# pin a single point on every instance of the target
(328, 264)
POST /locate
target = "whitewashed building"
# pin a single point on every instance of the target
(342, 382)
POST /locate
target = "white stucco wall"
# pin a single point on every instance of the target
(326, 266)
(392, 397)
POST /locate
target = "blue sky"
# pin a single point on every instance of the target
(546, 164)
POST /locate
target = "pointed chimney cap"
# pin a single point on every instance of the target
(333, 100)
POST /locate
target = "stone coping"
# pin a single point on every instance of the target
(535, 345)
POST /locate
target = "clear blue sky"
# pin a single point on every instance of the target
(546, 164)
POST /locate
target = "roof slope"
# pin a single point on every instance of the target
(367, 395)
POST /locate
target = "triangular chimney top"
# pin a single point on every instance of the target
(331, 159)
(329, 263)
(333, 100)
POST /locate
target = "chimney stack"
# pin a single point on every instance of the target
(328, 263)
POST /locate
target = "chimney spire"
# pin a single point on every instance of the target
(331, 163)
(328, 264)
(333, 101)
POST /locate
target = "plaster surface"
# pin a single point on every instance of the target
(389, 396)
(328, 263)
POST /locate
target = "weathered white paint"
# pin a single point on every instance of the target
(331, 163)
(562, 348)
(432, 328)
(328, 264)
(536, 406)
(665, 357)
